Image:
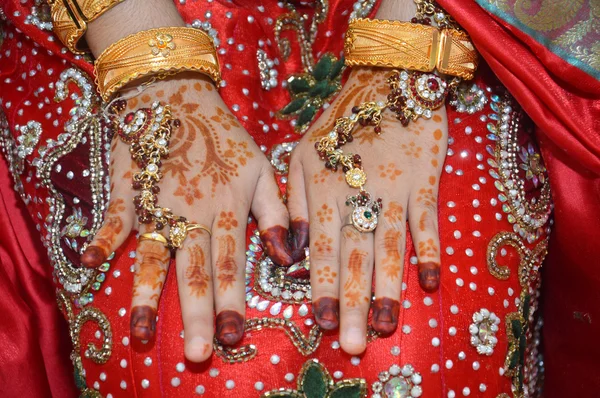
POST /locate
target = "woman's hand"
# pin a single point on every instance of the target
(214, 175)
(403, 166)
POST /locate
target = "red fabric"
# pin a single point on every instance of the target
(466, 285)
(564, 102)
(536, 86)
(34, 358)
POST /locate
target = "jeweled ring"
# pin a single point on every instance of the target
(362, 218)
(155, 236)
(365, 212)
(193, 226)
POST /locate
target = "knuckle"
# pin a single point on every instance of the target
(323, 257)
(354, 314)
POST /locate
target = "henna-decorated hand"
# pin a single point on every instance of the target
(215, 175)
(403, 166)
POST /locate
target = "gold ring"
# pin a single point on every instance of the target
(362, 218)
(191, 227)
(155, 236)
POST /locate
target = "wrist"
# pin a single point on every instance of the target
(396, 10)
(129, 17)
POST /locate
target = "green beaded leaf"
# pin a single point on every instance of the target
(298, 85)
(306, 116)
(337, 69)
(514, 360)
(79, 380)
(526, 307)
(520, 377)
(318, 89)
(329, 90)
(522, 348)
(348, 391)
(323, 68)
(517, 329)
(314, 381)
(294, 106)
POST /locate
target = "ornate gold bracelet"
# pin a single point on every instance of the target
(70, 19)
(411, 46)
(158, 53)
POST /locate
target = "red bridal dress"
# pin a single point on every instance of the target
(479, 335)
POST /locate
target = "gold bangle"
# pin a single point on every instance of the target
(155, 52)
(405, 45)
(70, 19)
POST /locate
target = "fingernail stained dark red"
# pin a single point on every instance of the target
(92, 257)
(429, 276)
(326, 310)
(143, 322)
(230, 327)
(385, 315)
(299, 238)
(276, 244)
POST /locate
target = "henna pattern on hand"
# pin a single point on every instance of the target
(150, 267)
(394, 212)
(226, 262)
(392, 262)
(326, 310)
(412, 150)
(390, 171)
(189, 189)
(238, 150)
(322, 176)
(370, 84)
(323, 245)
(356, 284)
(428, 249)
(325, 214)
(326, 275)
(195, 273)
(227, 221)
(385, 315)
(225, 119)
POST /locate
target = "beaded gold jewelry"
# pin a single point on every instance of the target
(70, 19)
(412, 95)
(411, 46)
(148, 131)
(157, 53)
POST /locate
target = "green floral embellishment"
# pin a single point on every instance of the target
(311, 90)
(315, 381)
(517, 326)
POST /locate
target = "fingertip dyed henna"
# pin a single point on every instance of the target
(385, 315)
(93, 257)
(299, 238)
(429, 276)
(276, 244)
(327, 313)
(230, 327)
(143, 322)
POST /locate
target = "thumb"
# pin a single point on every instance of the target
(272, 216)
